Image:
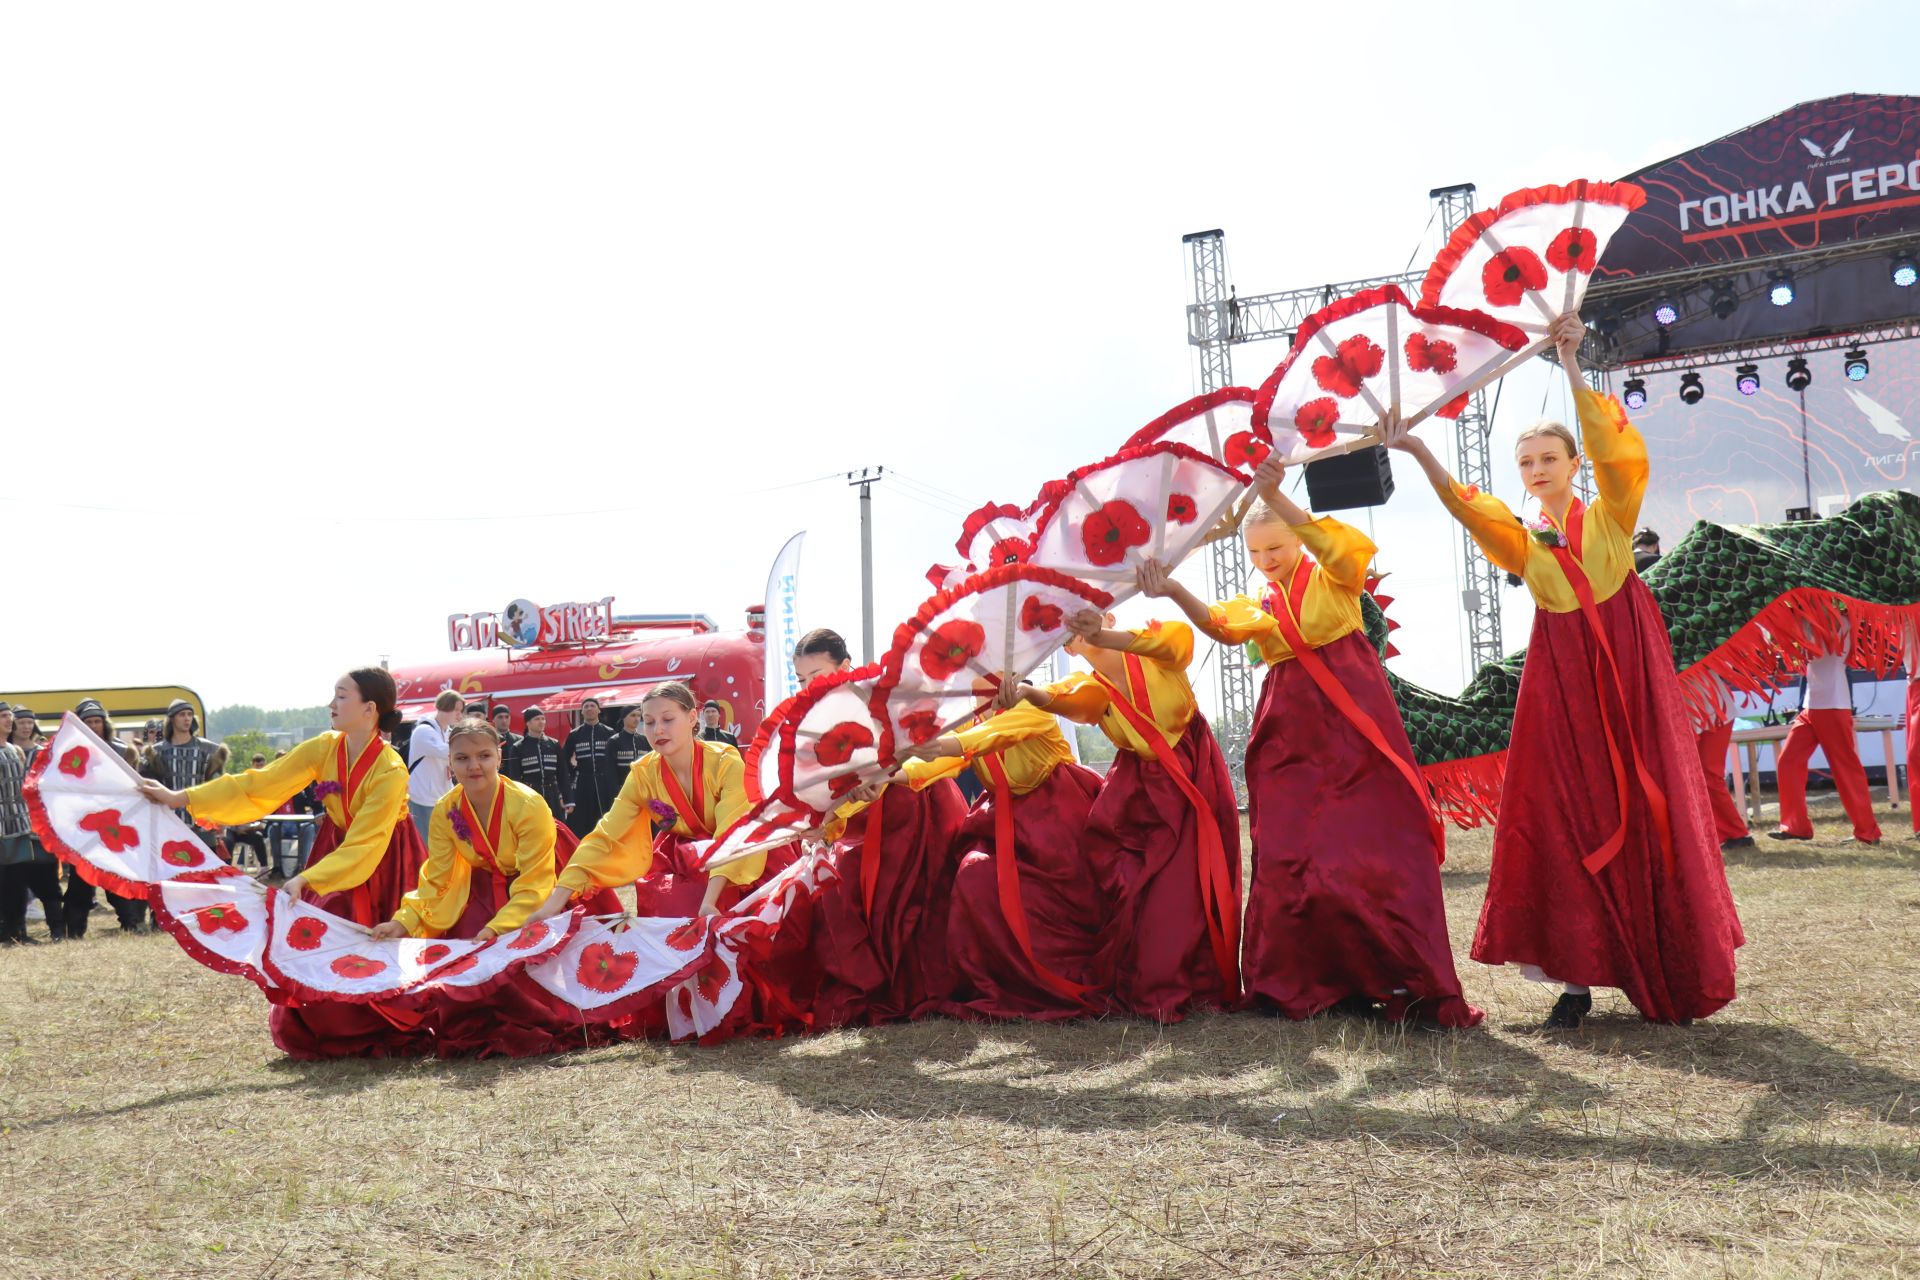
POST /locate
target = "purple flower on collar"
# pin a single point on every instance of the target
(663, 812)
(325, 789)
(1545, 532)
(460, 827)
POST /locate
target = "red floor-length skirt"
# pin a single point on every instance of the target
(1145, 829)
(1667, 940)
(1345, 898)
(676, 883)
(1067, 908)
(338, 1029)
(1712, 744)
(888, 962)
(518, 1017)
(1913, 747)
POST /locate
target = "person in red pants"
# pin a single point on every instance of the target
(1713, 734)
(1825, 721)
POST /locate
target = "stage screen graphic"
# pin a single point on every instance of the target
(1737, 459)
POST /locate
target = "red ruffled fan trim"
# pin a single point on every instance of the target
(1133, 453)
(982, 518)
(1184, 413)
(1467, 792)
(1776, 644)
(893, 662)
(415, 992)
(1624, 195)
(1479, 322)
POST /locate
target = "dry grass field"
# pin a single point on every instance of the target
(151, 1130)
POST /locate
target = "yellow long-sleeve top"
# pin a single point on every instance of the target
(1164, 650)
(1330, 607)
(1027, 740)
(379, 803)
(523, 854)
(620, 849)
(1619, 459)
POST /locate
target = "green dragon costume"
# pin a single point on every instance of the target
(1745, 603)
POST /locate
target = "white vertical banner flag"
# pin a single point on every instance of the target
(783, 622)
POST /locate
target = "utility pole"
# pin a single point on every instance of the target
(864, 480)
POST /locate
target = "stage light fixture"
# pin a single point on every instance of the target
(1857, 366)
(1665, 312)
(1691, 391)
(1746, 379)
(1904, 273)
(1780, 288)
(1723, 301)
(1799, 377)
(1636, 394)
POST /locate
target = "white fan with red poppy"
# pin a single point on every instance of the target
(960, 646)
(998, 533)
(218, 919)
(1528, 260)
(701, 1001)
(1154, 501)
(317, 955)
(609, 968)
(1373, 355)
(86, 806)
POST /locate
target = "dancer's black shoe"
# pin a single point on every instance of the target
(1570, 1010)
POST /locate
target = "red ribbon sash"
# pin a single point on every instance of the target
(486, 839)
(1286, 611)
(1605, 667)
(1216, 880)
(350, 779)
(1007, 870)
(694, 812)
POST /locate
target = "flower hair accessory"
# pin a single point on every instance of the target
(1545, 532)
(662, 811)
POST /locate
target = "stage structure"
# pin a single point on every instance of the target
(1788, 240)
(1218, 320)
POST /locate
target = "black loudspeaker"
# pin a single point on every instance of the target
(1360, 479)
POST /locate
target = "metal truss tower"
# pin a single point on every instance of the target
(1216, 320)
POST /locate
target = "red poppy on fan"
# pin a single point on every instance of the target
(1037, 615)
(106, 825)
(356, 967)
(950, 647)
(1573, 250)
(459, 966)
(920, 725)
(305, 933)
(837, 745)
(603, 969)
(75, 762)
(688, 935)
(1454, 407)
(1354, 361)
(1510, 273)
(1009, 551)
(529, 937)
(181, 853)
(1245, 449)
(712, 980)
(1107, 533)
(1316, 421)
(435, 954)
(1181, 510)
(1426, 354)
(223, 916)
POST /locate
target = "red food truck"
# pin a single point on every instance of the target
(556, 656)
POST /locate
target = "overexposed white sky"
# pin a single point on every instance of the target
(318, 323)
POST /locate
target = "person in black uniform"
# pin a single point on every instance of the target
(629, 744)
(713, 724)
(588, 759)
(509, 743)
(537, 761)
